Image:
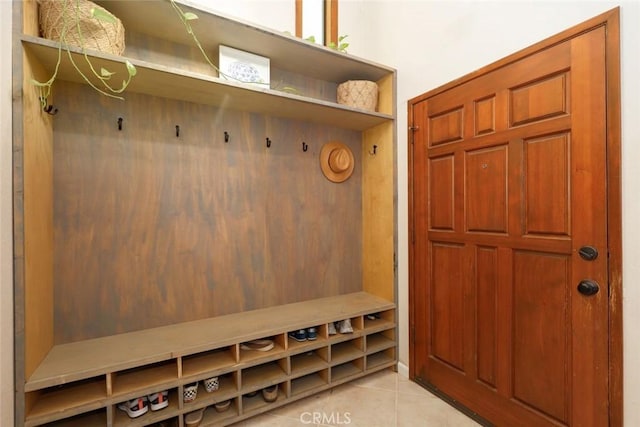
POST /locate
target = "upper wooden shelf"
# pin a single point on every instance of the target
(168, 82)
(212, 29)
(91, 358)
(173, 83)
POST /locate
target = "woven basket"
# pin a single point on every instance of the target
(359, 94)
(83, 30)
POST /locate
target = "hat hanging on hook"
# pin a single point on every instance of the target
(336, 161)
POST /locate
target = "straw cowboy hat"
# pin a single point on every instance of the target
(336, 161)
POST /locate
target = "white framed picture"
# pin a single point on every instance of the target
(238, 65)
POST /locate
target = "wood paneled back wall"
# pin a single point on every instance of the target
(152, 229)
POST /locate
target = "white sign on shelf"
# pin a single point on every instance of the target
(238, 65)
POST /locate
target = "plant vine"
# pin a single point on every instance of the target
(103, 77)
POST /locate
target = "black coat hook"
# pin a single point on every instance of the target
(305, 147)
(226, 136)
(50, 109)
(177, 131)
(119, 123)
(268, 142)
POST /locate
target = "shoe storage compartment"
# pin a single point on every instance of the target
(309, 361)
(309, 382)
(144, 259)
(66, 400)
(347, 371)
(97, 418)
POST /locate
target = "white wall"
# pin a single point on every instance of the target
(6, 227)
(434, 42)
(275, 14)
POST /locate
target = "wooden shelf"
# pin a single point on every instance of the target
(67, 401)
(257, 403)
(212, 363)
(262, 376)
(344, 352)
(84, 359)
(226, 391)
(174, 83)
(212, 29)
(213, 417)
(90, 419)
(378, 342)
(341, 372)
(307, 383)
(121, 418)
(382, 358)
(149, 379)
(300, 347)
(377, 325)
(305, 363)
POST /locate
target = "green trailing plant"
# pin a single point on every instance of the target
(103, 77)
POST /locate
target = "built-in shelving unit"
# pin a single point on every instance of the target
(78, 375)
(64, 391)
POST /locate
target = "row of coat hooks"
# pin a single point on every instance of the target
(227, 136)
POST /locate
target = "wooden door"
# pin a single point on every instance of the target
(509, 202)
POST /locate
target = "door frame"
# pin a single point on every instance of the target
(611, 21)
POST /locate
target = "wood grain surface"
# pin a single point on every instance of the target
(153, 229)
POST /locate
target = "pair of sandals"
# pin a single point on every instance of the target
(140, 405)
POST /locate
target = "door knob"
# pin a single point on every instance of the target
(588, 287)
(588, 253)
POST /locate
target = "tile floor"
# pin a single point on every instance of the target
(383, 399)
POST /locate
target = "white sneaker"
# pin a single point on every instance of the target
(135, 407)
(332, 328)
(345, 326)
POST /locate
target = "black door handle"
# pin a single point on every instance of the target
(588, 287)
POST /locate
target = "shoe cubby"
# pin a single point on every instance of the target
(379, 321)
(319, 341)
(347, 371)
(258, 402)
(122, 419)
(147, 379)
(97, 418)
(379, 341)
(381, 359)
(227, 389)
(263, 375)
(215, 416)
(209, 363)
(250, 356)
(309, 361)
(347, 350)
(309, 382)
(66, 400)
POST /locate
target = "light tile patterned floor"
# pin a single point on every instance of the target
(384, 399)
